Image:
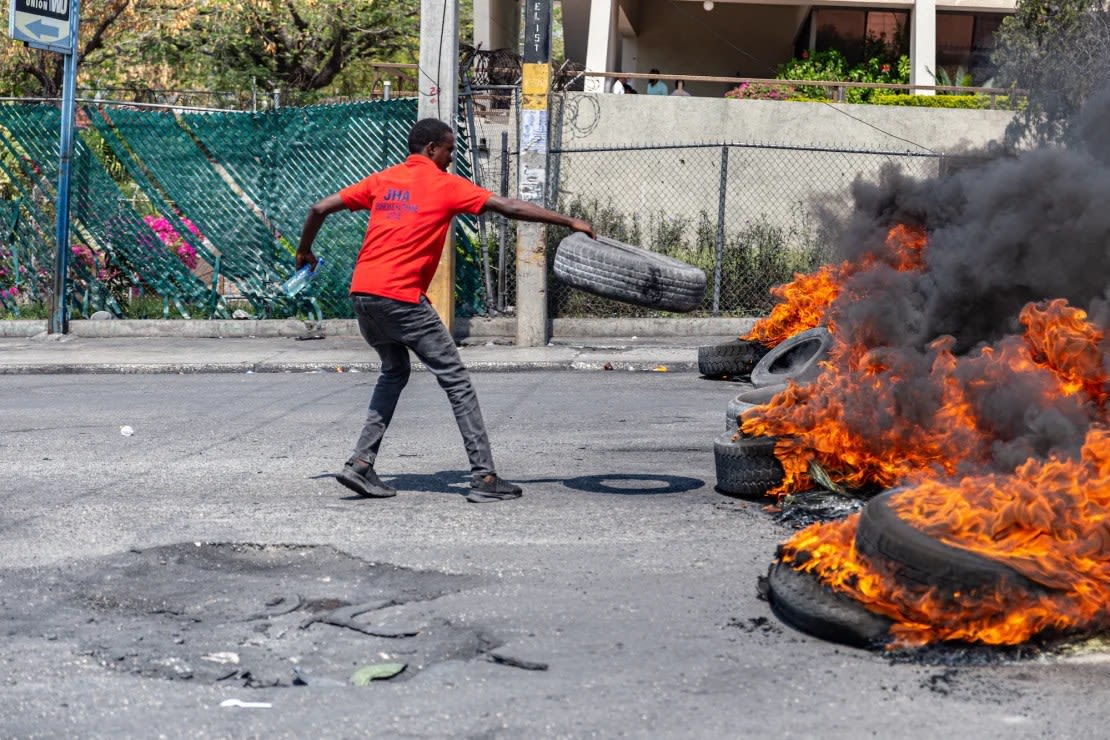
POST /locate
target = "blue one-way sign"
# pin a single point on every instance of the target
(44, 24)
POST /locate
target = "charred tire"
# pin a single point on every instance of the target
(918, 559)
(748, 399)
(804, 603)
(612, 269)
(794, 359)
(747, 467)
(729, 359)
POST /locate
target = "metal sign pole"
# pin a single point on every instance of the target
(59, 321)
(51, 25)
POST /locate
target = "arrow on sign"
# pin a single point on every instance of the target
(43, 30)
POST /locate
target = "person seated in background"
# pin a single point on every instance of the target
(621, 86)
(656, 86)
(680, 89)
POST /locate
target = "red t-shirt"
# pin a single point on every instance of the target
(411, 206)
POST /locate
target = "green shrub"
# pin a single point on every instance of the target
(830, 65)
(982, 102)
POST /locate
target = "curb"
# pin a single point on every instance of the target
(476, 327)
(196, 368)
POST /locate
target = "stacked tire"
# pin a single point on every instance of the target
(734, 359)
(746, 466)
(914, 558)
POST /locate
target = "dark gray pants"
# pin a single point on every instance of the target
(392, 328)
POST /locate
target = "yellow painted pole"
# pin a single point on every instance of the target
(442, 290)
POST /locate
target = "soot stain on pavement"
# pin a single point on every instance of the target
(241, 613)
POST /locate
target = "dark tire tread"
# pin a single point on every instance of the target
(622, 272)
(922, 560)
(804, 603)
(729, 359)
(747, 467)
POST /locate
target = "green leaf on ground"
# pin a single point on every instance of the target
(375, 672)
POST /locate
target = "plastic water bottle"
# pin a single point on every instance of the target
(301, 278)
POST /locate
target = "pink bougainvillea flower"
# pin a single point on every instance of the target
(169, 237)
(187, 255)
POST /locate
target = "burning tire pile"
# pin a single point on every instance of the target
(952, 376)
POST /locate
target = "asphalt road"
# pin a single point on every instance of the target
(148, 578)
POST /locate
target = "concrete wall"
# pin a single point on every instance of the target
(782, 183)
(615, 120)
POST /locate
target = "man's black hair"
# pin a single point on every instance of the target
(427, 131)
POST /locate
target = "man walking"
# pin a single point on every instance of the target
(411, 206)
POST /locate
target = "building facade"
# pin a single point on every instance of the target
(731, 38)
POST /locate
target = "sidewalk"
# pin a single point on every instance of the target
(333, 346)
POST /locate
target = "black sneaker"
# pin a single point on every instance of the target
(360, 477)
(492, 488)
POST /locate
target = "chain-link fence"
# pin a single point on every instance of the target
(198, 213)
(749, 215)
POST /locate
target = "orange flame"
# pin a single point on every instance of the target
(880, 417)
(855, 419)
(1050, 521)
(805, 300)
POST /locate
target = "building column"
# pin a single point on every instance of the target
(923, 45)
(598, 52)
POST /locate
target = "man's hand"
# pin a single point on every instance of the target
(305, 258)
(585, 227)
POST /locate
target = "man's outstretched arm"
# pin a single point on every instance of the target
(320, 210)
(520, 210)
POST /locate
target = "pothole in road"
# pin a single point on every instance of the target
(247, 614)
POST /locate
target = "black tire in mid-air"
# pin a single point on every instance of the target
(806, 604)
(622, 272)
(729, 359)
(746, 467)
(920, 559)
(795, 359)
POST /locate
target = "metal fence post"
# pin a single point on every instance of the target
(720, 233)
(503, 223)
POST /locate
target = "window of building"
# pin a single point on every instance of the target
(965, 42)
(861, 34)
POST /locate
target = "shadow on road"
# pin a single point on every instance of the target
(622, 484)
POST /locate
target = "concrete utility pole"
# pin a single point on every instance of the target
(531, 240)
(439, 98)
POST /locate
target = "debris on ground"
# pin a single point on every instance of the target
(376, 672)
(809, 507)
(246, 704)
(528, 665)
